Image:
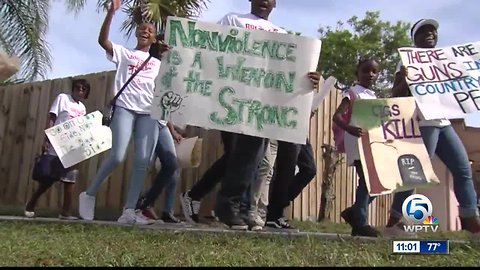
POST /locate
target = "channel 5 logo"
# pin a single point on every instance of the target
(417, 211)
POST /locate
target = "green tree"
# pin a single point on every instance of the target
(370, 36)
(24, 23)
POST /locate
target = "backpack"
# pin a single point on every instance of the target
(338, 132)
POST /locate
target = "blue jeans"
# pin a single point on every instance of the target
(170, 193)
(124, 124)
(362, 198)
(445, 142)
(165, 151)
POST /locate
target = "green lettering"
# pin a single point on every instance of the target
(285, 112)
(257, 48)
(199, 38)
(231, 117)
(277, 51)
(290, 51)
(191, 80)
(176, 27)
(246, 37)
(241, 105)
(167, 78)
(254, 110)
(197, 60)
(282, 83)
(267, 48)
(269, 80)
(174, 58)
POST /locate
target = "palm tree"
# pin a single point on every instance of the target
(157, 11)
(24, 23)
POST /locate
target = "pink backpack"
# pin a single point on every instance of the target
(338, 132)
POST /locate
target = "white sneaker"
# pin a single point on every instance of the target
(258, 220)
(397, 231)
(86, 206)
(29, 214)
(140, 219)
(130, 216)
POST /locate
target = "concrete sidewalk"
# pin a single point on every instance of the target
(185, 227)
(205, 228)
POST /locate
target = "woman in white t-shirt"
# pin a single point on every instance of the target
(440, 138)
(132, 117)
(64, 108)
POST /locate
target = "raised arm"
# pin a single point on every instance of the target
(103, 37)
(400, 86)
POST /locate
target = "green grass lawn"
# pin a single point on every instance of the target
(76, 244)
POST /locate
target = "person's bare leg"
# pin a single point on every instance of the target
(32, 203)
(68, 189)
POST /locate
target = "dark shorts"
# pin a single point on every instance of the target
(49, 169)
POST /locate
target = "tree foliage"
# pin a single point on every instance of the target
(342, 47)
(24, 24)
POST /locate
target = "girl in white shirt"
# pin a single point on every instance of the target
(64, 108)
(131, 118)
(357, 214)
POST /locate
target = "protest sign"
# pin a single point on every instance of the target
(444, 81)
(239, 80)
(80, 138)
(392, 152)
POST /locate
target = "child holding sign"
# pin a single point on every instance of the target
(64, 108)
(357, 214)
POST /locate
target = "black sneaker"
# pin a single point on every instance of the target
(367, 231)
(348, 216)
(169, 218)
(278, 224)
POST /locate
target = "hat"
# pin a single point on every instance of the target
(421, 23)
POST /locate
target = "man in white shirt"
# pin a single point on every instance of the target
(247, 151)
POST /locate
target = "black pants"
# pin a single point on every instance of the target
(216, 172)
(285, 185)
(243, 160)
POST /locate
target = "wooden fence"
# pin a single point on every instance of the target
(23, 112)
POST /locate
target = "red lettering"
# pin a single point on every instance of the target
(425, 57)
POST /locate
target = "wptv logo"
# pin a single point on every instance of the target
(417, 211)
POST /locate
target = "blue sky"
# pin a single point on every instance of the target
(75, 51)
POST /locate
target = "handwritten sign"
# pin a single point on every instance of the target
(80, 138)
(392, 152)
(446, 78)
(239, 80)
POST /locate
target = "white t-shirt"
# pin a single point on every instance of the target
(138, 95)
(351, 142)
(421, 121)
(250, 21)
(65, 108)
